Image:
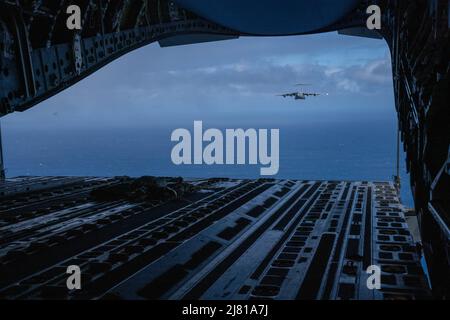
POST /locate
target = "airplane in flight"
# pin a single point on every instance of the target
(301, 95)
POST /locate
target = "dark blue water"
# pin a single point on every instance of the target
(348, 151)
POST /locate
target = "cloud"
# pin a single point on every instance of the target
(263, 77)
(348, 85)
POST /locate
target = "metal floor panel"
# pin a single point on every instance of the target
(228, 239)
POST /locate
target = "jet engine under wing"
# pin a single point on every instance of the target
(288, 95)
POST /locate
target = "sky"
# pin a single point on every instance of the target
(227, 83)
(118, 120)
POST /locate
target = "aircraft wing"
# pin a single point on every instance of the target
(293, 94)
(311, 94)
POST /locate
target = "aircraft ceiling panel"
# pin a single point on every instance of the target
(268, 17)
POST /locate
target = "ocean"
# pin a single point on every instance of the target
(327, 151)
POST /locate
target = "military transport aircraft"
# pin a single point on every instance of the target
(301, 95)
